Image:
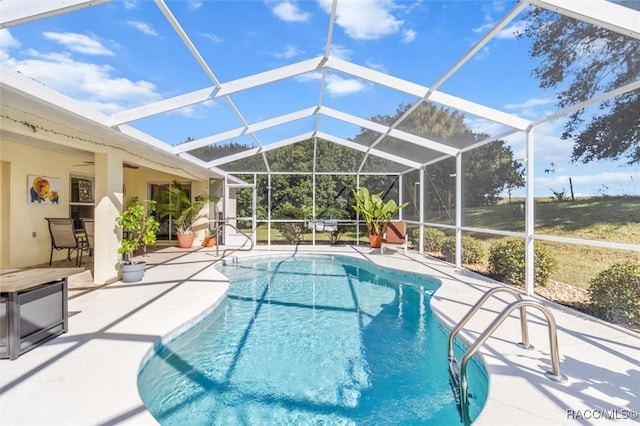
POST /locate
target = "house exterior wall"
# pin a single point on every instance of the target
(136, 182)
(19, 220)
(24, 219)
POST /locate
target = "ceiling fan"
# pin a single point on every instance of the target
(92, 163)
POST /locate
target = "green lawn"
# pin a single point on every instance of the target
(614, 219)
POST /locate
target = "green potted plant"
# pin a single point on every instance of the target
(377, 214)
(138, 230)
(176, 203)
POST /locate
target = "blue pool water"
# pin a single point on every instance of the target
(310, 340)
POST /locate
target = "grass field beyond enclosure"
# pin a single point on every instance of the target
(613, 219)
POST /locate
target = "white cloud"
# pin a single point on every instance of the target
(195, 111)
(482, 53)
(483, 28)
(93, 84)
(511, 31)
(214, 38)
(480, 125)
(195, 4)
(143, 27)
(376, 66)
(129, 4)
(588, 179)
(499, 6)
(408, 36)
(289, 12)
(336, 86)
(340, 52)
(489, 21)
(7, 41)
(79, 43)
(548, 146)
(365, 19)
(289, 52)
(532, 108)
(530, 103)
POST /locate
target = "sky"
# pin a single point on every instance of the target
(124, 54)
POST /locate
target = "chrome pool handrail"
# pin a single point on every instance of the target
(220, 227)
(523, 318)
(555, 374)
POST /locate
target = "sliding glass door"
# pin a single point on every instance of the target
(167, 231)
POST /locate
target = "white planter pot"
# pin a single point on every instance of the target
(132, 272)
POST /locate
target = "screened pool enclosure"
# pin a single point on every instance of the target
(287, 107)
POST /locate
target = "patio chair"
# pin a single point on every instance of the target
(63, 237)
(88, 226)
(396, 236)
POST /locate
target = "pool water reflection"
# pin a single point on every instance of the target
(310, 340)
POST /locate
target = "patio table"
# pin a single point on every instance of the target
(33, 308)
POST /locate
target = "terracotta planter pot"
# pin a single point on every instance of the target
(375, 241)
(185, 240)
(209, 241)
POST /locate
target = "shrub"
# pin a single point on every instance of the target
(433, 239)
(414, 236)
(292, 231)
(472, 251)
(507, 262)
(615, 293)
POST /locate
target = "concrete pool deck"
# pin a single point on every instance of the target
(88, 375)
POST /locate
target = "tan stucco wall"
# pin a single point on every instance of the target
(19, 219)
(24, 219)
(136, 181)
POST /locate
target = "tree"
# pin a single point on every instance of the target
(487, 170)
(583, 60)
(491, 168)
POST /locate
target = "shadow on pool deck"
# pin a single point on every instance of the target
(113, 327)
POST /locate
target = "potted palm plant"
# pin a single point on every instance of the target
(377, 214)
(177, 203)
(139, 229)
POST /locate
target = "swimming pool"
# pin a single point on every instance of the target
(310, 340)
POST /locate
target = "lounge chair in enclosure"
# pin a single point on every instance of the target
(88, 226)
(396, 236)
(63, 237)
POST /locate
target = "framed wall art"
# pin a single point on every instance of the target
(43, 189)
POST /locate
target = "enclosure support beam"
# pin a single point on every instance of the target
(227, 207)
(421, 186)
(529, 217)
(313, 194)
(400, 197)
(459, 210)
(269, 210)
(254, 209)
(358, 213)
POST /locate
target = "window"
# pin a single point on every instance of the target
(81, 199)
